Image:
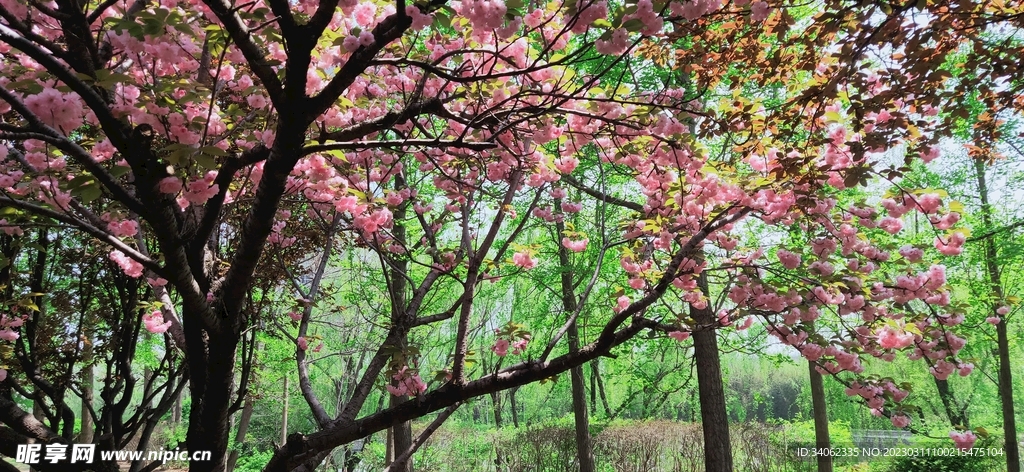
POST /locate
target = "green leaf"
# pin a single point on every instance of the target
(633, 25)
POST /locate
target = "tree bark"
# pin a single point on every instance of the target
(284, 414)
(513, 406)
(85, 436)
(584, 447)
(822, 439)
(1011, 447)
(949, 404)
(600, 387)
(243, 428)
(713, 415)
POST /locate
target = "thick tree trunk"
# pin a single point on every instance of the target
(822, 439)
(713, 415)
(1011, 447)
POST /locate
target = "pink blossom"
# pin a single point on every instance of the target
(170, 185)
(524, 260)
(130, 266)
(1003, 310)
(295, 316)
(9, 335)
(621, 303)
(964, 440)
(157, 282)
(891, 225)
(929, 155)
(759, 11)
(519, 346)
(952, 245)
(679, 335)
(567, 164)
(303, 344)
(890, 339)
(929, 202)
(911, 253)
(965, 369)
(366, 38)
(575, 246)
(500, 347)
(994, 320)
(788, 259)
(900, 421)
(155, 322)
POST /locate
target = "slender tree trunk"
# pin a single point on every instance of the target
(1011, 447)
(600, 388)
(402, 434)
(513, 406)
(584, 447)
(243, 428)
(401, 439)
(389, 449)
(284, 414)
(713, 415)
(821, 435)
(85, 436)
(949, 404)
(496, 407)
(176, 411)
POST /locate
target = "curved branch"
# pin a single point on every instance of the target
(88, 228)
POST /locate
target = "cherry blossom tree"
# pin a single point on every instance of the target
(203, 140)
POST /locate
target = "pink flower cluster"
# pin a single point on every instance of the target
(408, 383)
(63, 112)
(154, 322)
(575, 246)
(130, 266)
(524, 260)
(501, 346)
(120, 229)
(963, 440)
(679, 335)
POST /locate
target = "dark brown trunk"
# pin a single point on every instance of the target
(584, 447)
(822, 439)
(512, 406)
(1011, 447)
(600, 388)
(713, 415)
(401, 437)
(496, 408)
(402, 434)
(949, 404)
